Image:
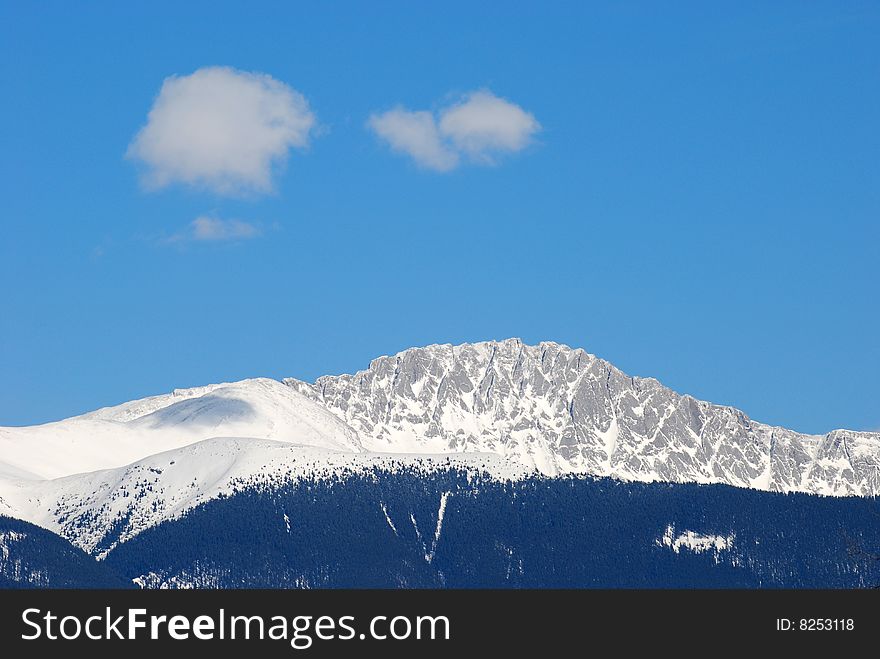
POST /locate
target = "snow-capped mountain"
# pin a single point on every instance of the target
(502, 408)
(564, 410)
(97, 510)
(115, 436)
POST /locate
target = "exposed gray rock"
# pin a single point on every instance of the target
(564, 410)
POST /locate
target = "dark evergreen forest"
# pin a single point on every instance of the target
(380, 529)
(539, 533)
(32, 557)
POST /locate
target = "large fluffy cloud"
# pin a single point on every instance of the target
(479, 127)
(223, 129)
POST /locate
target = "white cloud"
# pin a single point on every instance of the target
(223, 129)
(483, 125)
(416, 134)
(480, 127)
(212, 229)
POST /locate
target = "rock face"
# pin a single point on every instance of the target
(564, 410)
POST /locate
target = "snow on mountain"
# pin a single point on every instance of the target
(98, 509)
(116, 436)
(502, 407)
(563, 410)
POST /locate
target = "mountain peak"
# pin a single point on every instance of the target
(563, 410)
(547, 407)
(502, 408)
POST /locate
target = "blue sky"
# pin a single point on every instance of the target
(697, 199)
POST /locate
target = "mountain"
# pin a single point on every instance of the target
(496, 411)
(390, 529)
(115, 436)
(563, 410)
(32, 557)
(98, 510)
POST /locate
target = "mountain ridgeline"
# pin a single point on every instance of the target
(563, 410)
(491, 464)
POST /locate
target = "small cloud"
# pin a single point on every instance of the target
(483, 125)
(212, 229)
(480, 127)
(223, 129)
(415, 134)
(101, 249)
